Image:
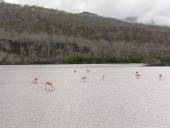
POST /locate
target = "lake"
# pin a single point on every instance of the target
(111, 96)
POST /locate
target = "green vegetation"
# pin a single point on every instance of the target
(107, 59)
(101, 60)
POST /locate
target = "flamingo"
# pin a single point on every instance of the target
(83, 79)
(160, 76)
(103, 77)
(35, 80)
(137, 75)
(50, 86)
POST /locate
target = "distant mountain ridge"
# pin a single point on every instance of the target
(88, 14)
(131, 19)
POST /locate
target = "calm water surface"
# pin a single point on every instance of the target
(120, 101)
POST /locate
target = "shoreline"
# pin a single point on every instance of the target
(87, 65)
(91, 64)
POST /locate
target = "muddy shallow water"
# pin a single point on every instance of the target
(119, 101)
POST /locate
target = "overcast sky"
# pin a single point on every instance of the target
(146, 10)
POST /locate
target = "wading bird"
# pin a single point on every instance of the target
(35, 80)
(83, 79)
(49, 86)
(137, 75)
(103, 77)
(160, 76)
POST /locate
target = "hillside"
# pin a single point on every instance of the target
(30, 34)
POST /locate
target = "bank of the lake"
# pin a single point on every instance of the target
(75, 59)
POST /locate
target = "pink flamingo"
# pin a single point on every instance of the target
(84, 78)
(137, 75)
(160, 76)
(50, 86)
(35, 80)
(103, 77)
